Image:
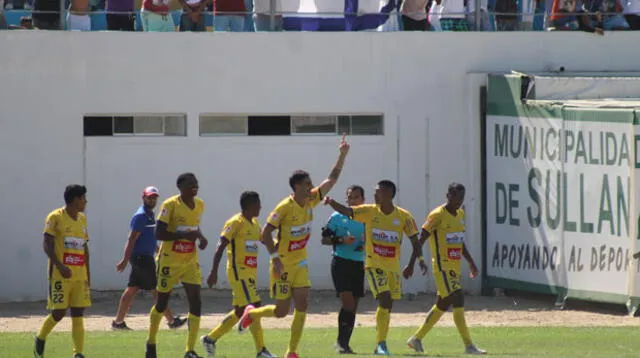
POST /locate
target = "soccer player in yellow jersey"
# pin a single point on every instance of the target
(65, 243)
(292, 217)
(240, 236)
(445, 224)
(385, 224)
(178, 228)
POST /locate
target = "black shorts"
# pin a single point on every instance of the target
(348, 276)
(121, 22)
(143, 272)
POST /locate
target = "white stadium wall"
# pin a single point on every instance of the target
(425, 85)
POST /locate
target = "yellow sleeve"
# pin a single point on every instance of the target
(316, 197)
(410, 227)
(432, 222)
(230, 229)
(278, 214)
(51, 224)
(362, 213)
(166, 212)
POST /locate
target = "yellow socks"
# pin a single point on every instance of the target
(258, 335)
(47, 326)
(225, 326)
(154, 325)
(461, 324)
(77, 333)
(263, 312)
(383, 317)
(296, 330)
(432, 318)
(194, 326)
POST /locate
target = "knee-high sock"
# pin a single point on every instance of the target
(154, 325)
(461, 324)
(225, 326)
(258, 335)
(47, 326)
(383, 316)
(296, 329)
(194, 327)
(432, 318)
(77, 333)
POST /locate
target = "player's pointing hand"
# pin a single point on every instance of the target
(344, 146)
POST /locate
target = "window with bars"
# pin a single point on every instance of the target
(136, 125)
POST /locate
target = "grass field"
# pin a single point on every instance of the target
(317, 343)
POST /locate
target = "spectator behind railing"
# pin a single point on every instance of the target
(262, 15)
(632, 14)
(120, 15)
(25, 24)
(192, 17)
(567, 15)
(453, 15)
(78, 16)
(506, 15)
(46, 14)
(229, 15)
(414, 15)
(606, 14)
(155, 16)
(485, 22)
(3, 21)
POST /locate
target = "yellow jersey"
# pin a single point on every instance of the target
(180, 219)
(294, 227)
(447, 238)
(70, 239)
(383, 235)
(242, 252)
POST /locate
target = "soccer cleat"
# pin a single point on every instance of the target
(177, 322)
(122, 326)
(292, 355)
(78, 355)
(191, 354)
(151, 351)
(245, 320)
(38, 349)
(340, 349)
(264, 353)
(381, 349)
(209, 345)
(415, 344)
(472, 349)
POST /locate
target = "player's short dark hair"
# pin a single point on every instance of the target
(297, 177)
(455, 188)
(184, 177)
(356, 187)
(388, 184)
(247, 198)
(73, 191)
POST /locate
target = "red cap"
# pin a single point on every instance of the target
(151, 191)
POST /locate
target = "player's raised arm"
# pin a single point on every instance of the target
(472, 264)
(212, 280)
(331, 180)
(344, 210)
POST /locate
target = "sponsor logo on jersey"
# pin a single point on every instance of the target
(301, 230)
(455, 237)
(251, 246)
(73, 243)
(183, 247)
(73, 259)
(295, 245)
(251, 261)
(384, 251)
(454, 254)
(385, 236)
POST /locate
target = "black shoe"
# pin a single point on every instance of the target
(122, 326)
(344, 349)
(151, 351)
(38, 349)
(177, 322)
(264, 353)
(78, 355)
(191, 354)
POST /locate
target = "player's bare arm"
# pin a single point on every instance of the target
(212, 280)
(163, 234)
(472, 264)
(408, 270)
(416, 243)
(266, 237)
(86, 258)
(49, 249)
(128, 250)
(203, 240)
(329, 238)
(344, 210)
(326, 186)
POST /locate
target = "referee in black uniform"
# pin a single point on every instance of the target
(347, 267)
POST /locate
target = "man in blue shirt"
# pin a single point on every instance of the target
(347, 267)
(140, 251)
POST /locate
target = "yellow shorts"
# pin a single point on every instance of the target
(171, 273)
(447, 281)
(64, 294)
(381, 280)
(294, 276)
(244, 291)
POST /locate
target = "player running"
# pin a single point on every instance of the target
(347, 267)
(385, 224)
(446, 224)
(139, 250)
(178, 227)
(65, 243)
(292, 217)
(240, 236)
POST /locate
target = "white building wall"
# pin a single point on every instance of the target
(421, 82)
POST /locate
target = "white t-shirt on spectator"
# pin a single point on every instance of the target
(453, 9)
